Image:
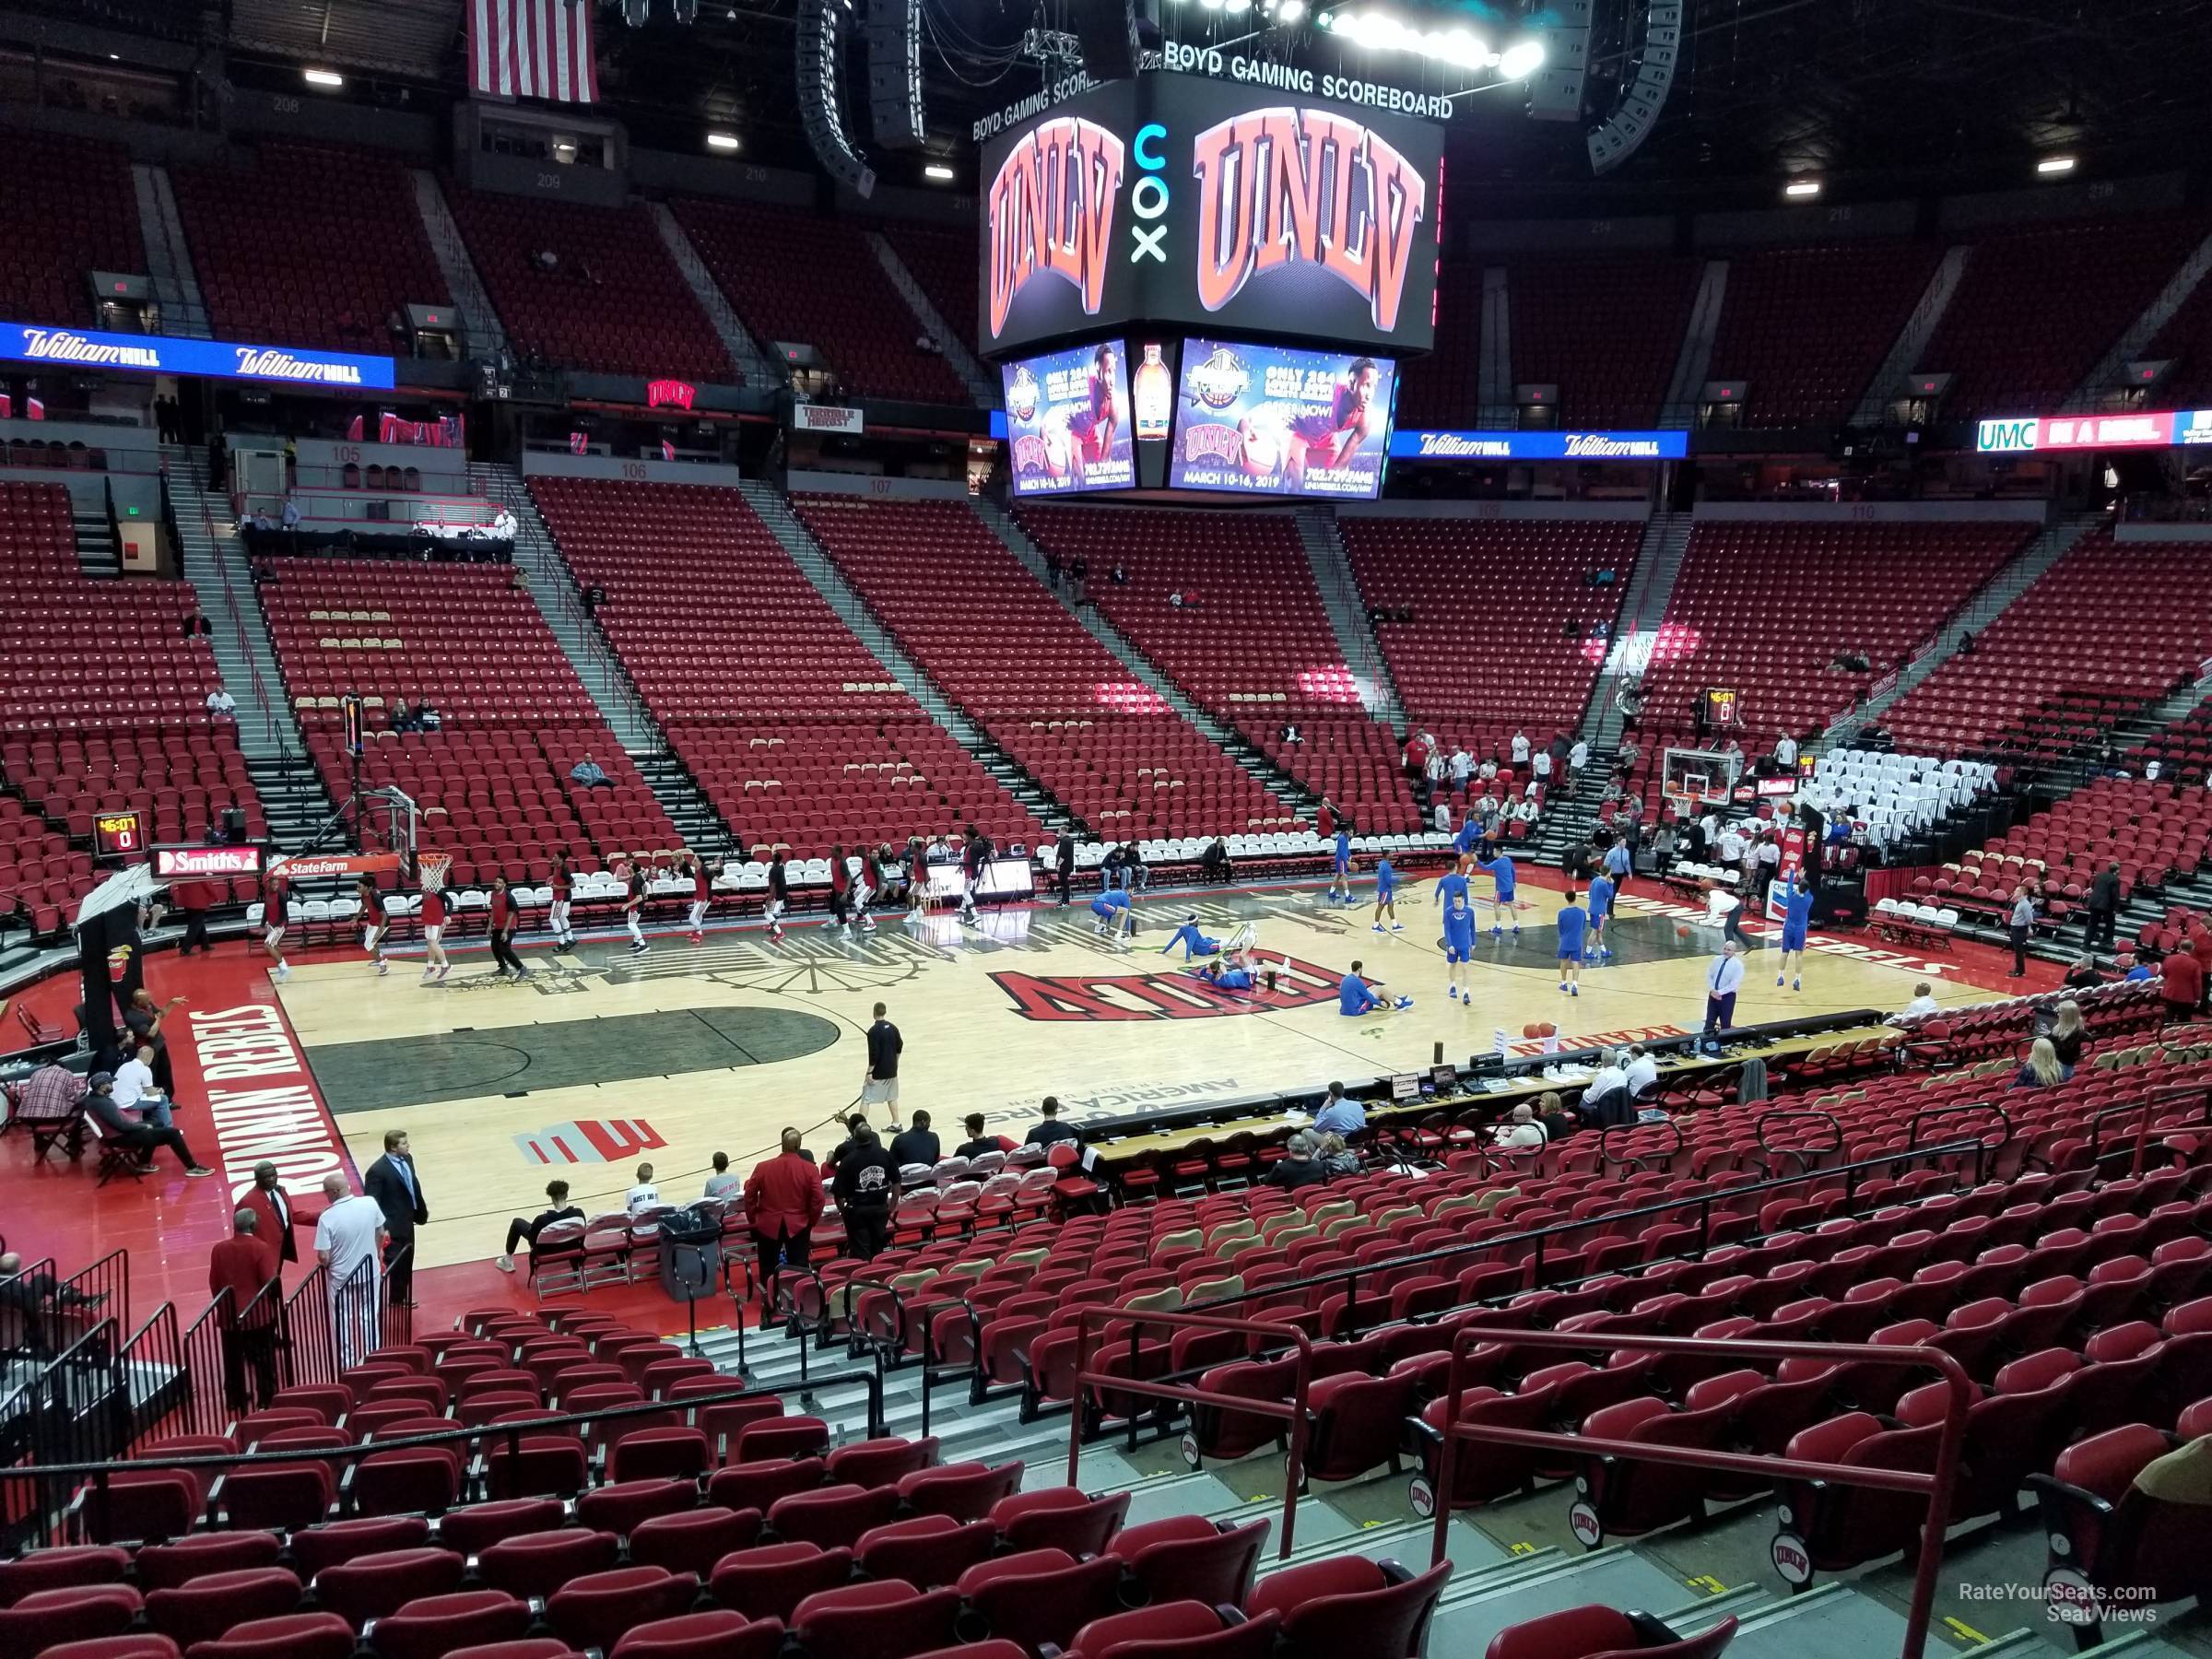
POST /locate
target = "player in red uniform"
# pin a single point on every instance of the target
(433, 935)
(702, 894)
(1331, 440)
(563, 881)
(275, 910)
(1093, 431)
(633, 911)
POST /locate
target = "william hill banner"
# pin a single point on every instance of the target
(1179, 200)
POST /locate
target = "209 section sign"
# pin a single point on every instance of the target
(1176, 199)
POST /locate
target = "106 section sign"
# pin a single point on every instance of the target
(1174, 199)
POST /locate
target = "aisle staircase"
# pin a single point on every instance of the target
(168, 255)
(97, 555)
(1888, 383)
(292, 796)
(1332, 567)
(1263, 772)
(481, 334)
(761, 373)
(827, 579)
(1694, 362)
(1985, 605)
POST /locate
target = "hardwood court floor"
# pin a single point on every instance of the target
(601, 1059)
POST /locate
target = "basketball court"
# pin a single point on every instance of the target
(601, 1059)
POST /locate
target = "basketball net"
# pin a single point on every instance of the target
(432, 870)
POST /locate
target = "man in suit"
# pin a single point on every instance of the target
(392, 1182)
(274, 1216)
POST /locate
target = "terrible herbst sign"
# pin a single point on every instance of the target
(1179, 200)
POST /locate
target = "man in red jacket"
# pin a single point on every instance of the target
(243, 1264)
(784, 1199)
(2182, 982)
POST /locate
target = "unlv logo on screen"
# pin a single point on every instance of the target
(1281, 186)
(1052, 212)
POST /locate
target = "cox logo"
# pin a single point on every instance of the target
(1149, 195)
(2006, 436)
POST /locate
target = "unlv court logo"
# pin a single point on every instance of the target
(1102, 997)
(1281, 187)
(1052, 212)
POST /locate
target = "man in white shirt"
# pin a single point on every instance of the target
(1463, 766)
(1609, 1076)
(1487, 770)
(1643, 1073)
(135, 1088)
(291, 514)
(1722, 981)
(1539, 765)
(1785, 752)
(1579, 755)
(350, 1241)
(644, 1195)
(1521, 1132)
(1520, 749)
(1731, 846)
(222, 705)
(1924, 1003)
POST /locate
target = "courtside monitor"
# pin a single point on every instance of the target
(1273, 421)
(1067, 420)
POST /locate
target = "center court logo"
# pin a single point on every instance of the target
(609, 1141)
(1109, 996)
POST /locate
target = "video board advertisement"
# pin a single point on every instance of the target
(1269, 421)
(1176, 199)
(1067, 420)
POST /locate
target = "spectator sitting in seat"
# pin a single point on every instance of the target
(426, 717)
(1051, 1129)
(141, 1138)
(557, 1209)
(222, 705)
(1555, 1118)
(1521, 1132)
(722, 1183)
(1212, 864)
(978, 1143)
(31, 1297)
(1335, 1157)
(2083, 975)
(2044, 1069)
(587, 773)
(1299, 1167)
(403, 717)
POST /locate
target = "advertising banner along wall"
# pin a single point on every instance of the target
(1068, 420)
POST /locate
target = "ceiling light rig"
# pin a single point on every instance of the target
(1457, 47)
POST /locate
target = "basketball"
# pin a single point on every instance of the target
(1531, 1030)
(1547, 1029)
(1682, 930)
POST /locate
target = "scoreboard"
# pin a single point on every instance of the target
(119, 834)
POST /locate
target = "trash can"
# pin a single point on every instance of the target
(691, 1253)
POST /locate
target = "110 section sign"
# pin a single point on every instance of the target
(1174, 199)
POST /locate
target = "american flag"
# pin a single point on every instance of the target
(532, 49)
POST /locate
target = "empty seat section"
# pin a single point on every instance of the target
(611, 300)
(493, 782)
(1251, 643)
(353, 250)
(793, 730)
(103, 705)
(1604, 330)
(1443, 389)
(802, 278)
(1768, 609)
(2035, 310)
(1501, 612)
(1103, 743)
(2058, 638)
(942, 262)
(1808, 327)
(70, 210)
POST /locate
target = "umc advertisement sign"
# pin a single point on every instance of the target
(1173, 199)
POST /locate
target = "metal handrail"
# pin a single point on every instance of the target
(2004, 1117)
(2141, 1109)
(1605, 1154)
(1292, 1411)
(1759, 1130)
(1937, 1485)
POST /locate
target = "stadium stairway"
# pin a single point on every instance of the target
(1888, 381)
(293, 795)
(2042, 551)
(761, 373)
(1347, 615)
(946, 337)
(821, 570)
(1495, 407)
(1277, 783)
(168, 255)
(1686, 390)
(96, 554)
(2110, 374)
(592, 655)
(483, 336)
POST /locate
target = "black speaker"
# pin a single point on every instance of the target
(1106, 30)
(818, 48)
(895, 73)
(234, 824)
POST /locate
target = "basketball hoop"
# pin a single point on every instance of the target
(432, 870)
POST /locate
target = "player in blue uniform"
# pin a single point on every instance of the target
(1356, 998)
(1386, 895)
(1468, 837)
(1796, 922)
(1457, 906)
(1575, 926)
(1601, 911)
(1499, 868)
(1341, 889)
(1116, 912)
(1194, 943)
